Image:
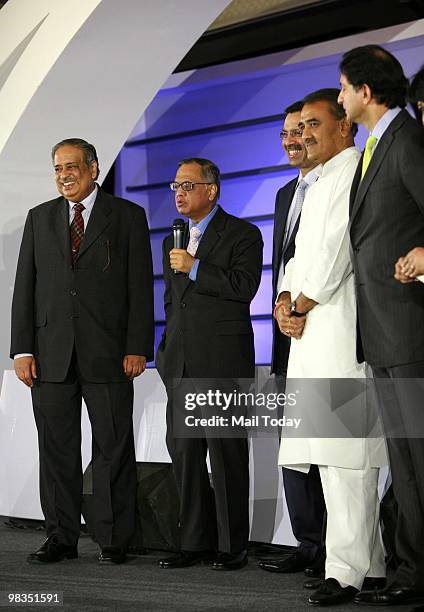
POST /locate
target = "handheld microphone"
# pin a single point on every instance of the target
(178, 227)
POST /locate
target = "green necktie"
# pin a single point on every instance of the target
(371, 140)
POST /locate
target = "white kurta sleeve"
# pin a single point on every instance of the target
(332, 265)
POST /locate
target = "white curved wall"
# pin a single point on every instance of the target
(86, 69)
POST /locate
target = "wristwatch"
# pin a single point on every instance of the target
(294, 312)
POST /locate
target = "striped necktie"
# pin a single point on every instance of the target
(77, 229)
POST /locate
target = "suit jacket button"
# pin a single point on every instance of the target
(73, 292)
(183, 304)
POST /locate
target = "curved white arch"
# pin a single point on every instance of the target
(86, 69)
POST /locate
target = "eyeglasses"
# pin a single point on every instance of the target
(297, 133)
(185, 185)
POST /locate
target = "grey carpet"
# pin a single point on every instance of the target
(140, 585)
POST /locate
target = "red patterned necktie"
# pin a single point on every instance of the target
(77, 229)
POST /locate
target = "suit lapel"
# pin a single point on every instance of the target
(212, 234)
(98, 221)
(61, 227)
(375, 163)
(280, 220)
(209, 238)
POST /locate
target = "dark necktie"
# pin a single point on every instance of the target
(77, 229)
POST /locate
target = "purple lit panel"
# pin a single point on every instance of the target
(156, 243)
(158, 288)
(232, 151)
(262, 303)
(217, 97)
(263, 341)
(266, 228)
(253, 195)
(201, 102)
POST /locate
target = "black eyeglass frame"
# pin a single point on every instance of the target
(174, 185)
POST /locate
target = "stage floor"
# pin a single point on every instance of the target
(140, 585)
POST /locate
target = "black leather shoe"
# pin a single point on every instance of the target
(369, 583)
(391, 596)
(289, 565)
(52, 551)
(331, 593)
(112, 554)
(313, 583)
(228, 561)
(315, 569)
(185, 559)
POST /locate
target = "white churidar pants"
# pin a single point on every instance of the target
(353, 541)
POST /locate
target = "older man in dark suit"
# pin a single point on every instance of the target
(82, 327)
(303, 491)
(208, 335)
(386, 221)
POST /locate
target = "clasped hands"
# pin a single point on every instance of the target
(410, 266)
(289, 325)
(180, 260)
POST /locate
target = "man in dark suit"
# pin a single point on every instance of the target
(82, 327)
(303, 491)
(386, 221)
(208, 335)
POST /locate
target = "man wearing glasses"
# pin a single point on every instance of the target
(209, 285)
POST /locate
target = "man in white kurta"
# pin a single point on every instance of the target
(318, 284)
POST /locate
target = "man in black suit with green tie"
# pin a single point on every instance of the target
(387, 221)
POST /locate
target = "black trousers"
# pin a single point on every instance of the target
(306, 506)
(57, 411)
(402, 411)
(211, 516)
(305, 503)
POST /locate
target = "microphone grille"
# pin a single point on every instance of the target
(178, 224)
